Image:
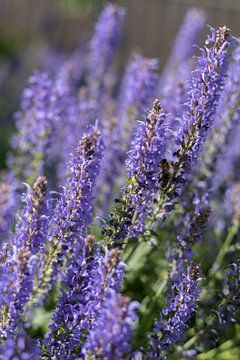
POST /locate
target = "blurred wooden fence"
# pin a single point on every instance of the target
(150, 24)
(27, 25)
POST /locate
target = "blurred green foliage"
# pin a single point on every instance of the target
(78, 7)
(11, 43)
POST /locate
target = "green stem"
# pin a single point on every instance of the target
(224, 249)
(128, 255)
(190, 342)
(233, 248)
(161, 287)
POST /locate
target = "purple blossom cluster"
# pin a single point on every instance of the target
(91, 277)
(115, 336)
(19, 259)
(153, 277)
(72, 213)
(180, 307)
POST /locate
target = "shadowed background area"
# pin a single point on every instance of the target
(27, 26)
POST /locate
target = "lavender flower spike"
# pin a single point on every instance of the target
(111, 335)
(197, 117)
(136, 94)
(178, 65)
(8, 204)
(16, 274)
(143, 166)
(73, 211)
(102, 47)
(20, 347)
(91, 275)
(181, 305)
(40, 112)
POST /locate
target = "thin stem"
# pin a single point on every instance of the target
(224, 249)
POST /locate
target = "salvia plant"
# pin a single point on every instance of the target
(120, 207)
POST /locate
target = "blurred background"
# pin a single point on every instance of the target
(28, 28)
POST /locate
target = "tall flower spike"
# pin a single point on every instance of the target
(19, 347)
(111, 335)
(178, 65)
(216, 164)
(224, 137)
(16, 275)
(36, 121)
(150, 168)
(90, 277)
(181, 305)
(175, 81)
(73, 211)
(72, 117)
(143, 166)
(136, 94)
(102, 47)
(8, 204)
(197, 117)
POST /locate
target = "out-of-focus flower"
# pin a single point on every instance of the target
(111, 335)
(102, 48)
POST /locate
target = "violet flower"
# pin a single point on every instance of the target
(90, 276)
(143, 163)
(102, 47)
(9, 199)
(111, 335)
(73, 211)
(197, 117)
(40, 113)
(150, 168)
(19, 267)
(19, 347)
(180, 307)
(136, 94)
(216, 163)
(179, 65)
(175, 81)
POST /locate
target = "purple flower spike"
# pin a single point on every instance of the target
(136, 92)
(197, 116)
(9, 199)
(39, 115)
(145, 159)
(111, 335)
(179, 64)
(73, 211)
(91, 276)
(20, 347)
(181, 305)
(17, 272)
(102, 47)
(153, 172)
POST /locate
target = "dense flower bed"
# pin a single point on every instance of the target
(124, 242)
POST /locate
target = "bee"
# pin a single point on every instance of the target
(194, 271)
(165, 173)
(88, 146)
